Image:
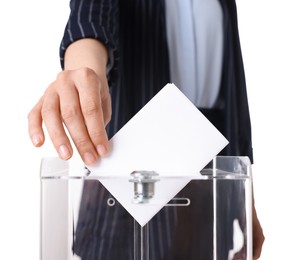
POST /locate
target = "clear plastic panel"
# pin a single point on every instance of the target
(210, 219)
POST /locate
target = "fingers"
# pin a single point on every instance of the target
(79, 103)
(35, 125)
(94, 111)
(50, 112)
(81, 113)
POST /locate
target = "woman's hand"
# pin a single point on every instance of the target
(78, 101)
(77, 105)
(258, 236)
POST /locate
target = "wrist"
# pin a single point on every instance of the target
(87, 53)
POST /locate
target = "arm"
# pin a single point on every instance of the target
(79, 99)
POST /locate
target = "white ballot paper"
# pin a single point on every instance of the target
(168, 136)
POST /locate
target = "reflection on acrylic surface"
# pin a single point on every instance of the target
(208, 219)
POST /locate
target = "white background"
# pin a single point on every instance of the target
(272, 44)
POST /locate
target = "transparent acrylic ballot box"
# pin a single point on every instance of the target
(209, 219)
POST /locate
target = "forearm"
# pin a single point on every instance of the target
(87, 53)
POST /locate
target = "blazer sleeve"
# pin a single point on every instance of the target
(97, 19)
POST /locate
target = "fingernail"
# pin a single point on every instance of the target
(88, 158)
(64, 152)
(101, 149)
(36, 139)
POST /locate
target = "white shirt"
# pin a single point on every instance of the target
(195, 44)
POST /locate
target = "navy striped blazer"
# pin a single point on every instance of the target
(134, 33)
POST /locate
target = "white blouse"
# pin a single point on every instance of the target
(195, 43)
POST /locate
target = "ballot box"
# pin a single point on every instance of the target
(210, 218)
